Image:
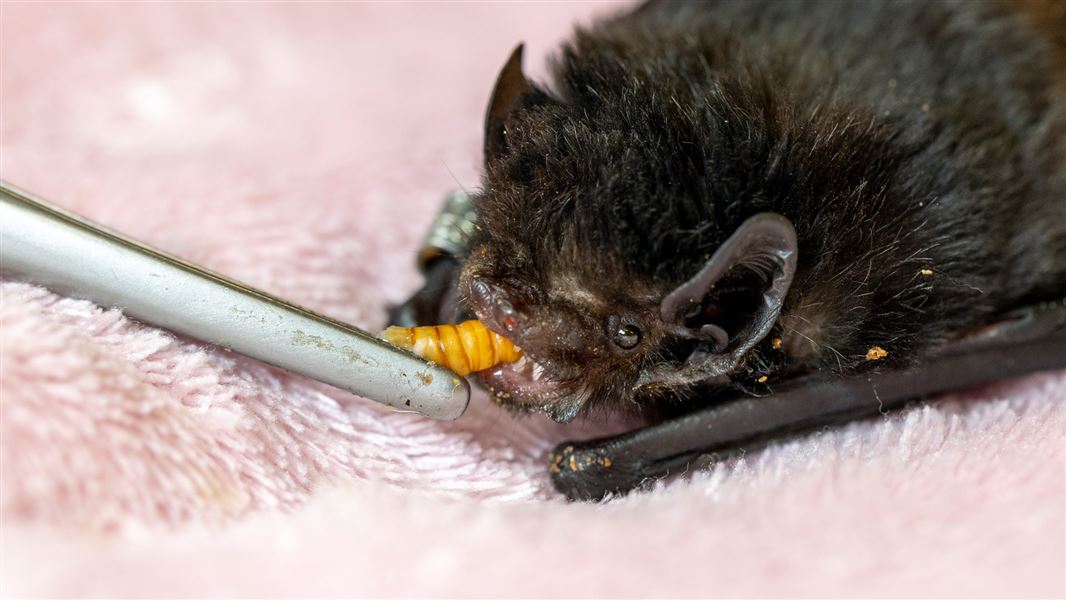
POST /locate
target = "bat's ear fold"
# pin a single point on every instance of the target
(512, 87)
(734, 300)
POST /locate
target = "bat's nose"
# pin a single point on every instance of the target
(551, 332)
(494, 307)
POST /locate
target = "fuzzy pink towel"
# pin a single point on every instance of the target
(303, 148)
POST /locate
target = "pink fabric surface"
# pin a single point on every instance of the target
(302, 148)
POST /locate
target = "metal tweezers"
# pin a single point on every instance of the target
(49, 246)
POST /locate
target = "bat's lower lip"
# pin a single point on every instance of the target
(524, 381)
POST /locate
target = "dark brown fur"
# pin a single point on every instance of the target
(899, 138)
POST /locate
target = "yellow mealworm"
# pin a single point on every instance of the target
(464, 348)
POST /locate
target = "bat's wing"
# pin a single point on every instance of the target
(1029, 340)
(436, 302)
(439, 260)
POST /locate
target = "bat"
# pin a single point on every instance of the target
(744, 219)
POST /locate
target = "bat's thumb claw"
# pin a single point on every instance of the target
(590, 472)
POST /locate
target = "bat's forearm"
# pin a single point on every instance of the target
(1031, 340)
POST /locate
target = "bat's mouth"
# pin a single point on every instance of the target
(534, 382)
(530, 385)
(525, 381)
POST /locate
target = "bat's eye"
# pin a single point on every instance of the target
(624, 335)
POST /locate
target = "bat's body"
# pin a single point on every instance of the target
(724, 196)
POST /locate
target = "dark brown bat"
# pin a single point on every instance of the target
(713, 208)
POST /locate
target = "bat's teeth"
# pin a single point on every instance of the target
(520, 364)
(537, 371)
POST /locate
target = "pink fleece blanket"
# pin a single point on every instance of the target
(303, 148)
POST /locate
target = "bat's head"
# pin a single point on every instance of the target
(598, 253)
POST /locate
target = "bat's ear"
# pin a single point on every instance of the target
(734, 300)
(511, 86)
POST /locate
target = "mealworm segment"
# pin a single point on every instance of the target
(465, 348)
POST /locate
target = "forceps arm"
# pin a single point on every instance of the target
(46, 245)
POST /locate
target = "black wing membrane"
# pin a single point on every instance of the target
(439, 261)
(436, 302)
(1025, 341)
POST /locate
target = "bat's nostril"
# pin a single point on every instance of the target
(481, 291)
(493, 306)
(506, 310)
